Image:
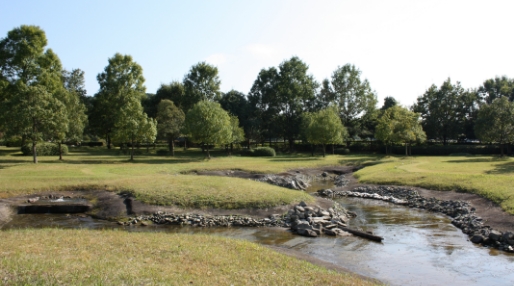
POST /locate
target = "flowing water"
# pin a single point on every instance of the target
(419, 247)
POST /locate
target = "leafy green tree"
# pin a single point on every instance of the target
(170, 121)
(238, 134)
(353, 97)
(444, 110)
(497, 87)
(173, 91)
(30, 79)
(389, 101)
(323, 127)
(495, 122)
(133, 125)
(399, 125)
(201, 83)
(121, 81)
(281, 96)
(208, 124)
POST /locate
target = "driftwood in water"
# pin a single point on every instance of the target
(363, 234)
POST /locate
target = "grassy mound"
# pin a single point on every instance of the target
(208, 191)
(72, 257)
(489, 177)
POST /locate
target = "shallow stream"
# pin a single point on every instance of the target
(419, 247)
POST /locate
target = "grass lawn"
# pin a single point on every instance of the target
(490, 177)
(157, 179)
(73, 257)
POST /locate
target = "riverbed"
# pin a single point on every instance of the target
(419, 247)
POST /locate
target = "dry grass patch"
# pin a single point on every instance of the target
(72, 257)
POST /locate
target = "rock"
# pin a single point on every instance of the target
(307, 232)
(33, 200)
(495, 235)
(299, 209)
(324, 174)
(302, 204)
(477, 238)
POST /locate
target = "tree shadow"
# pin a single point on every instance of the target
(480, 160)
(502, 169)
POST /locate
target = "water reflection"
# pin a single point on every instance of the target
(420, 248)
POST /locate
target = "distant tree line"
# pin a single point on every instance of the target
(42, 102)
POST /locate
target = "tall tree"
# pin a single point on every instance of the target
(495, 122)
(170, 121)
(497, 87)
(389, 101)
(30, 78)
(238, 134)
(283, 95)
(399, 125)
(132, 124)
(353, 97)
(173, 91)
(201, 83)
(323, 127)
(121, 81)
(208, 124)
(443, 110)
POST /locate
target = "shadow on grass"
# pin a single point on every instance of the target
(480, 160)
(502, 169)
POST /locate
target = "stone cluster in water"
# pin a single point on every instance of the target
(312, 221)
(296, 182)
(463, 214)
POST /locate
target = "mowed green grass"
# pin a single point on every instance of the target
(489, 177)
(88, 257)
(157, 179)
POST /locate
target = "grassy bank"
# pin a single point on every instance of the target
(156, 179)
(489, 177)
(72, 257)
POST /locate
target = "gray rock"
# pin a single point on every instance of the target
(477, 238)
(495, 235)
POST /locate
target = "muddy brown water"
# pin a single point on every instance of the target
(420, 247)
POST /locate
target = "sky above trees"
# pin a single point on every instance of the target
(401, 47)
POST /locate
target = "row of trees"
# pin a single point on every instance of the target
(42, 102)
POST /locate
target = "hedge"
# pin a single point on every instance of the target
(44, 149)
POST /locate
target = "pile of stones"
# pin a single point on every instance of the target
(203, 220)
(313, 221)
(296, 182)
(462, 214)
(341, 181)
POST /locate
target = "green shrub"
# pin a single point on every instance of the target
(162, 152)
(264, 152)
(13, 141)
(342, 151)
(44, 149)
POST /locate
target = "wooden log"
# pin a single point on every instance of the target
(363, 234)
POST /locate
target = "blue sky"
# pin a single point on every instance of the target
(401, 47)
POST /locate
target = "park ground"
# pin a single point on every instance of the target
(52, 256)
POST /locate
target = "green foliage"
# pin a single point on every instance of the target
(121, 84)
(495, 88)
(342, 151)
(33, 90)
(447, 110)
(201, 83)
(353, 98)
(162, 152)
(238, 133)
(173, 91)
(399, 125)
(209, 124)
(44, 149)
(260, 152)
(13, 141)
(495, 122)
(170, 121)
(323, 127)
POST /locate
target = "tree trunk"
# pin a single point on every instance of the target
(132, 150)
(501, 149)
(108, 142)
(172, 148)
(312, 149)
(333, 150)
(406, 153)
(323, 145)
(208, 154)
(34, 152)
(23, 139)
(60, 151)
(185, 143)
(231, 148)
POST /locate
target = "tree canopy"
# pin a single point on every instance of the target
(495, 122)
(323, 127)
(200, 83)
(497, 87)
(208, 123)
(170, 121)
